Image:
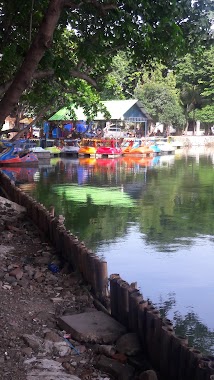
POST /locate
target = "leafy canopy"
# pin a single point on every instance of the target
(35, 41)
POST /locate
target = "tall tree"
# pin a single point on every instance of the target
(157, 91)
(30, 31)
(195, 80)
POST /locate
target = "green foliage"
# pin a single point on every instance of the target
(195, 79)
(160, 98)
(161, 30)
(206, 114)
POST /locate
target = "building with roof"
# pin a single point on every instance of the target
(126, 113)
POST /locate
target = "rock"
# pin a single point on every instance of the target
(56, 299)
(27, 351)
(48, 346)
(128, 344)
(17, 273)
(62, 348)
(139, 362)
(120, 357)
(23, 282)
(115, 368)
(13, 205)
(68, 367)
(44, 260)
(105, 349)
(2, 274)
(32, 341)
(148, 375)
(45, 369)
(29, 271)
(52, 336)
(10, 279)
(93, 327)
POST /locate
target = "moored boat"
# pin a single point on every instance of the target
(109, 149)
(41, 153)
(71, 147)
(127, 146)
(165, 146)
(140, 148)
(88, 148)
(54, 150)
(8, 157)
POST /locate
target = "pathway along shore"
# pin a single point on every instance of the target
(35, 291)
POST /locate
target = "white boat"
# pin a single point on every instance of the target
(71, 147)
(41, 153)
(165, 146)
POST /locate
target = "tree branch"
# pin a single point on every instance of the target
(38, 75)
(79, 74)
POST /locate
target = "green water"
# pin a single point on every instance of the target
(152, 220)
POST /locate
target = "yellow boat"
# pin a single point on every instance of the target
(88, 148)
(138, 148)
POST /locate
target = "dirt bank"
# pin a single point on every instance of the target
(35, 289)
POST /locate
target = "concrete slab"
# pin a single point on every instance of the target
(9, 204)
(93, 327)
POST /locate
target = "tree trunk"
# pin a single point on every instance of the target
(38, 48)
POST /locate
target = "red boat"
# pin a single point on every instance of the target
(108, 148)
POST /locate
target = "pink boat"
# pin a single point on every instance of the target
(108, 148)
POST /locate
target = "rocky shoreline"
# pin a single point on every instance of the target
(37, 290)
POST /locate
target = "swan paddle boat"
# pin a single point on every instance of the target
(138, 147)
(8, 157)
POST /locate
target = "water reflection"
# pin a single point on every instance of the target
(188, 325)
(152, 219)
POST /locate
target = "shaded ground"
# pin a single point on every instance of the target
(32, 297)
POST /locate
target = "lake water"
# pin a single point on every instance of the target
(151, 219)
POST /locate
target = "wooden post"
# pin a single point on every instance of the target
(92, 259)
(114, 295)
(165, 347)
(101, 278)
(142, 323)
(192, 360)
(175, 358)
(123, 302)
(151, 314)
(135, 297)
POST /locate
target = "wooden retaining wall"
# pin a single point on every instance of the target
(170, 355)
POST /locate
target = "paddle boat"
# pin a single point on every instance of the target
(138, 147)
(108, 148)
(8, 157)
(165, 146)
(126, 146)
(31, 146)
(54, 150)
(71, 147)
(88, 148)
